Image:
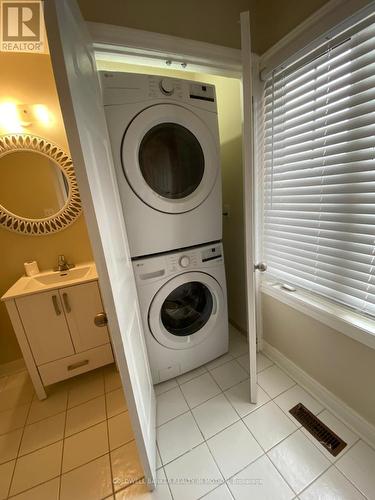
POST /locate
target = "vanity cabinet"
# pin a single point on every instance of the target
(45, 325)
(58, 334)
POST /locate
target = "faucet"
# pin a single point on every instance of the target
(62, 264)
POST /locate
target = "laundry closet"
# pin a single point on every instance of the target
(228, 101)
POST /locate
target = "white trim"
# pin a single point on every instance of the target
(258, 87)
(119, 43)
(334, 15)
(334, 404)
(16, 366)
(340, 318)
(248, 194)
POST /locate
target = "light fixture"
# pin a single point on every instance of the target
(9, 118)
(31, 113)
(16, 117)
(42, 114)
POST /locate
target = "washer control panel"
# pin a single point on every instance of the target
(166, 86)
(160, 266)
(130, 88)
(184, 261)
(160, 87)
(190, 259)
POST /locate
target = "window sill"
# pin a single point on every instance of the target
(355, 326)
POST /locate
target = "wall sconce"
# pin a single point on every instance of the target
(31, 113)
(15, 117)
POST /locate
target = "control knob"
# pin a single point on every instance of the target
(166, 86)
(184, 261)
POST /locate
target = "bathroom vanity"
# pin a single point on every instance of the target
(60, 324)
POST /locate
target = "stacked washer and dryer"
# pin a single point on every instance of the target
(165, 144)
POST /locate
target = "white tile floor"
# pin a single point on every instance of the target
(75, 445)
(260, 450)
(212, 443)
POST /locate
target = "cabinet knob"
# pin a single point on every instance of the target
(101, 319)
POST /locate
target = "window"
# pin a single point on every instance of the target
(319, 170)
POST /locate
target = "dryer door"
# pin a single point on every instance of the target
(186, 310)
(170, 158)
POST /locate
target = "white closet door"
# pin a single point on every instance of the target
(81, 105)
(249, 196)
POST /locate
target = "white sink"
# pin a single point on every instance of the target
(50, 280)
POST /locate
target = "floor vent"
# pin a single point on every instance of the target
(327, 438)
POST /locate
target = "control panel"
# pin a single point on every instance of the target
(128, 88)
(160, 266)
(202, 92)
(180, 89)
(159, 87)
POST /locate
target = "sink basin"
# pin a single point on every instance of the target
(57, 277)
(50, 280)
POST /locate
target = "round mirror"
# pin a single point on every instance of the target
(38, 188)
(32, 185)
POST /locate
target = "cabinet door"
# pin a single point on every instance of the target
(81, 304)
(43, 319)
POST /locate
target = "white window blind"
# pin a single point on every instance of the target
(319, 170)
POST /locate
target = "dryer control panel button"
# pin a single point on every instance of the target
(166, 86)
(184, 261)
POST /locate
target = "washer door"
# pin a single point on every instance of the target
(185, 311)
(170, 158)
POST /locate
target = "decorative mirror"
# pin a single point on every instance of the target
(38, 188)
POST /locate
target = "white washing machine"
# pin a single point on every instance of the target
(183, 303)
(165, 143)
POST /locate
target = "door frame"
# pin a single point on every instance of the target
(145, 48)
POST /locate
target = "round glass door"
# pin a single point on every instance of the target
(187, 309)
(171, 160)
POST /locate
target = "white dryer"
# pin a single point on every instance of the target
(165, 144)
(183, 303)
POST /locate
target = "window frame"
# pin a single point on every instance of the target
(342, 318)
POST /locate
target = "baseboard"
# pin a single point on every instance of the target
(334, 404)
(18, 365)
(238, 327)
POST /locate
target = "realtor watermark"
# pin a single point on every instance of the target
(186, 481)
(21, 27)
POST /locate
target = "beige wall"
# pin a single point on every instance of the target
(342, 365)
(213, 21)
(229, 112)
(29, 185)
(28, 78)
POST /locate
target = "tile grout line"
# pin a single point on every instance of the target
(205, 442)
(108, 441)
(190, 409)
(66, 436)
(348, 479)
(63, 444)
(325, 470)
(19, 447)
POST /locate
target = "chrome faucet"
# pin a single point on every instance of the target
(62, 264)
